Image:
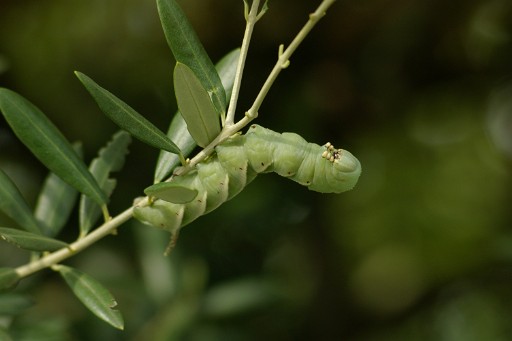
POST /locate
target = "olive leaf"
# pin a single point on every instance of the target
(14, 206)
(126, 117)
(195, 106)
(93, 295)
(110, 159)
(178, 131)
(48, 144)
(55, 202)
(30, 241)
(188, 50)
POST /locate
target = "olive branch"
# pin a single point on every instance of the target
(202, 92)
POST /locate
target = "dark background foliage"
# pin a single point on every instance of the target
(420, 91)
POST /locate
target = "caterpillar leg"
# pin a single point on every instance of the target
(172, 242)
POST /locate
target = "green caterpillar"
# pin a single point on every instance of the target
(238, 160)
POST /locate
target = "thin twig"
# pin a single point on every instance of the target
(284, 56)
(58, 256)
(251, 19)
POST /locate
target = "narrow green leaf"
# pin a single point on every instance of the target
(55, 202)
(126, 117)
(14, 206)
(195, 106)
(110, 159)
(8, 278)
(47, 143)
(93, 295)
(187, 49)
(171, 192)
(30, 241)
(13, 304)
(178, 131)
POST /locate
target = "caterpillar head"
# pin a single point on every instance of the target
(345, 168)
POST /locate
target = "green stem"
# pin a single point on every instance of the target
(58, 256)
(252, 17)
(284, 56)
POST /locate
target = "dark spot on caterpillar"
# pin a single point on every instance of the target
(262, 164)
(199, 200)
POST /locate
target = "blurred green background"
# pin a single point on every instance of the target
(421, 249)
